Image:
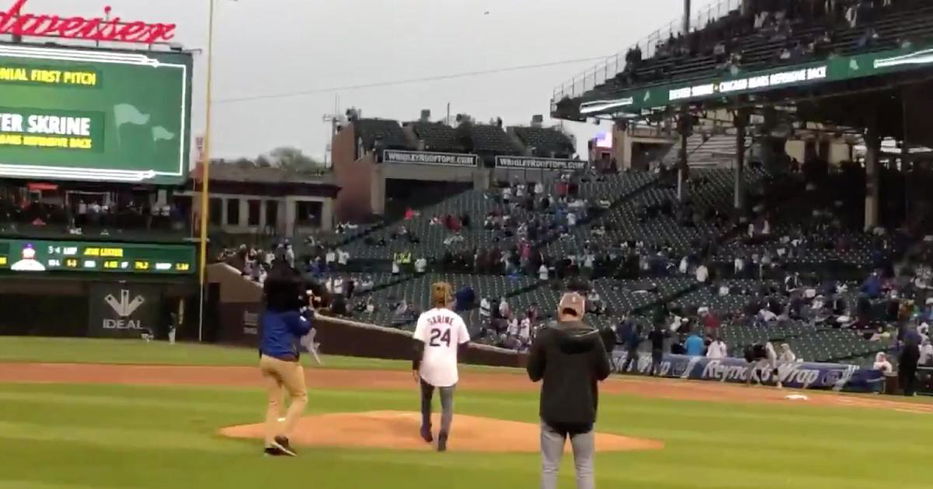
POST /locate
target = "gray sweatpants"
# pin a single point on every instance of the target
(552, 450)
(447, 406)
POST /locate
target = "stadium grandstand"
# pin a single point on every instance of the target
(745, 194)
(760, 175)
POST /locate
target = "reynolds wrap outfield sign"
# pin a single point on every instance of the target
(831, 70)
(427, 158)
(530, 163)
(81, 114)
(799, 375)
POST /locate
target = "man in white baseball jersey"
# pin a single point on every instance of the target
(439, 335)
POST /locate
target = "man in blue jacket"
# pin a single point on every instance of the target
(281, 326)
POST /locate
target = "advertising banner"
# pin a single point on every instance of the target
(531, 163)
(123, 310)
(831, 70)
(89, 114)
(426, 158)
(798, 375)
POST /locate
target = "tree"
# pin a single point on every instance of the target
(263, 162)
(293, 159)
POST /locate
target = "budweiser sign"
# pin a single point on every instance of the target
(17, 23)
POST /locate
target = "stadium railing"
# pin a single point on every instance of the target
(615, 64)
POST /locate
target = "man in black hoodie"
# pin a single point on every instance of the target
(571, 358)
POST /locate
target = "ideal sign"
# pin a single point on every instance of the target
(123, 310)
(112, 29)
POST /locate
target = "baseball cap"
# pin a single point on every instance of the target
(572, 301)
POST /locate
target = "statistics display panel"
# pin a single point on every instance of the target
(81, 114)
(30, 256)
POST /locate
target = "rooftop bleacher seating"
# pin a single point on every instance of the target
(487, 138)
(388, 132)
(547, 142)
(438, 137)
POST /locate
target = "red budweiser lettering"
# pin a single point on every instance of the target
(15, 22)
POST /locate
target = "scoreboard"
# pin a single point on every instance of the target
(21, 255)
(94, 115)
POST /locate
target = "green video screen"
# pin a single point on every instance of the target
(83, 114)
(29, 256)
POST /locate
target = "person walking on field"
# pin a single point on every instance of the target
(282, 325)
(439, 335)
(571, 358)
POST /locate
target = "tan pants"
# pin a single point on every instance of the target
(281, 376)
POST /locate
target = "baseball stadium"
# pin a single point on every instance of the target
(729, 286)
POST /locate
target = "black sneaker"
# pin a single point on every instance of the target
(442, 442)
(426, 434)
(282, 444)
(274, 452)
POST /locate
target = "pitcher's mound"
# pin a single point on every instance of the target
(399, 430)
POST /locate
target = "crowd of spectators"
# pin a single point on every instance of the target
(92, 214)
(773, 20)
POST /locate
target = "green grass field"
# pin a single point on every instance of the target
(57, 436)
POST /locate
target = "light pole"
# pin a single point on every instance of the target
(205, 164)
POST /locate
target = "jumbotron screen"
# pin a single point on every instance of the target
(84, 114)
(30, 256)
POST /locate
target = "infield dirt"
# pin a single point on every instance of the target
(398, 379)
(399, 430)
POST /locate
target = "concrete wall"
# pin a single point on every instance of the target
(356, 179)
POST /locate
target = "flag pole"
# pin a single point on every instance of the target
(205, 165)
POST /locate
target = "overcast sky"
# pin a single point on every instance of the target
(276, 47)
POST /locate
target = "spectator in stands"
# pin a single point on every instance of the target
(594, 303)
(882, 364)
(872, 286)
(656, 337)
(786, 355)
(343, 258)
(694, 345)
(738, 266)
(868, 39)
(289, 254)
(421, 265)
(366, 284)
(631, 341)
(852, 14)
(717, 349)
(505, 312)
(907, 364)
(485, 311)
(702, 274)
(709, 321)
(926, 354)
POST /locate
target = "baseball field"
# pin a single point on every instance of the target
(92, 414)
